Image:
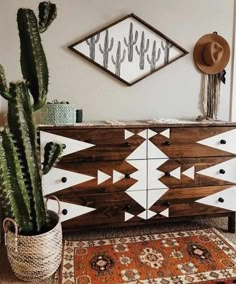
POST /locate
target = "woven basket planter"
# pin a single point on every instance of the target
(34, 258)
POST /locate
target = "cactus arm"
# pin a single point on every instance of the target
(52, 152)
(47, 13)
(13, 191)
(4, 91)
(33, 60)
(21, 125)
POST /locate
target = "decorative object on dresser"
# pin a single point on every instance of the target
(33, 234)
(142, 173)
(57, 113)
(129, 49)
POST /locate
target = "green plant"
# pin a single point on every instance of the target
(20, 165)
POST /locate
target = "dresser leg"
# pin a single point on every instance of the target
(231, 222)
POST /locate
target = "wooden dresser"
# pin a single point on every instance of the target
(142, 173)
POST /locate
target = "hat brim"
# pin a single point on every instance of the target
(198, 50)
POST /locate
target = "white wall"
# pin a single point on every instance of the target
(172, 92)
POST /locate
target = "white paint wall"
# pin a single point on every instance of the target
(172, 92)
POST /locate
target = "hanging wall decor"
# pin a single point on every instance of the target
(129, 49)
(211, 55)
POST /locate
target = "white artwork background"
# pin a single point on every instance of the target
(129, 71)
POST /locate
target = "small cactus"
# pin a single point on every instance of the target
(107, 47)
(20, 166)
(131, 42)
(91, 42)
(153, 59)
(119, 59)
(142, 50)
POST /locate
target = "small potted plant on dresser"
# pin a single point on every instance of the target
(33, 234)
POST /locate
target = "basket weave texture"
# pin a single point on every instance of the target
(35, 258)
(56, 114)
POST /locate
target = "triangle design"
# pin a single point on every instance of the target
(175, 173)
(139, 196)
(165, 212)
(52, 181)
(222, 199)
(128, 134)
(154, 152)
(154, 195)
(72, 210)
(189, 172)
(166, 133)
(143, 134)
(128, 216)
(101, 177)
(228, 168)
(151, 133)
(117, 176)
(139, 153)
(72, 145)
(224, 141)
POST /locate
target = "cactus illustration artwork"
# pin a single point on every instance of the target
(142, 50)
(107, 47)
(91, 42)
(20, 165)
(155, 56)
(131, 42)
(166, 48)
(119, 59)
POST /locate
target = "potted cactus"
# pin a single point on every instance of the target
(34, 242)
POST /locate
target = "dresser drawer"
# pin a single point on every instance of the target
(196, 141)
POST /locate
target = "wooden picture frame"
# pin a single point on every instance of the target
(129, 49)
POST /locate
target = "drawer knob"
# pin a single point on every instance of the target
(222, 171)
(220, 199)
(127, 175)
(167, 174)
(127, 207)
(126, 144)
(64, 211)
(167, 203)
(166, 143)
(64, 146)
(64, 179)
(222, 141)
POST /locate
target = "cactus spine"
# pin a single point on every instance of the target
(166, 47)
(119, 59)
(154, 57)
(106, 48)
(142, 50)
(91, 42)
(131, 42)
(20, 168)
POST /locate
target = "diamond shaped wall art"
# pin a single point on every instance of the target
(129, 49)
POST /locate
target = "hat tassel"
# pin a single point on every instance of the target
(210, 95)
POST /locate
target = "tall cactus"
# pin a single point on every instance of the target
(152, 60)
(166, 48)
(107, 47)
(91, 42)
(142, 50)
(131, 42)
(20, 168)
(119, 59)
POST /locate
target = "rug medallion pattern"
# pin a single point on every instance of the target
(197, 256)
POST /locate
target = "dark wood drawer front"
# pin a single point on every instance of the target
(222, 172)
(111, 208)
(110, 144)
(183, 141)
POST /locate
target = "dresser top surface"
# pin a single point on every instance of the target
(143, 123)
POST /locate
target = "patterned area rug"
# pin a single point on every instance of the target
(196, 256)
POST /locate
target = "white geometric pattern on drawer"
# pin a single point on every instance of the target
(224, 141)
(224, 199)
(223, 171)
(72, 210)
(72, 145)
(52, 181)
